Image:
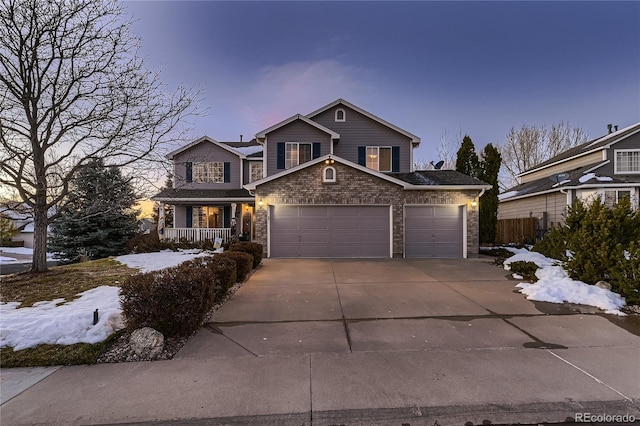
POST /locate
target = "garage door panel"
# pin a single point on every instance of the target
(433, 231)
(330, 231)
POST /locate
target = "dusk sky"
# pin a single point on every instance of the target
(428, 67)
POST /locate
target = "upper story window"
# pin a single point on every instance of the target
(627, 161)
(255, 171)
(379, 158)
(208, 172)
(296, 153)
(341, 115)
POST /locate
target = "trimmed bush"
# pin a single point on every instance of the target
(254, 249)
(244, 262)
(173, 301)
(144, 243)
(526, 269)
(224, 270)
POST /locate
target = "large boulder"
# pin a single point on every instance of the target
(146, 343)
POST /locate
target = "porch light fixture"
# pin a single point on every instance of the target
(474, 205)
(329, 161)
(260, 203)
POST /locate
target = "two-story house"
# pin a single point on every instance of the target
(607, 168)
(338, 182)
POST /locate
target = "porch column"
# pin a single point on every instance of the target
(161, 221)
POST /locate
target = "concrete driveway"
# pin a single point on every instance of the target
(346, 306)
(359, 342)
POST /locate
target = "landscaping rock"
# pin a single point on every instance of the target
(603, 284)
(146, 343)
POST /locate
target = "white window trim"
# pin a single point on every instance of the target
(615, 162)
(297, 144)
(344, 115)
(324, 174)
(253, 164)
(378, 157)
(209, 172)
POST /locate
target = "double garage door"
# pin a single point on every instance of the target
(364, 231)
(330, 231)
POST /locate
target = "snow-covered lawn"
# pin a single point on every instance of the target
(17, 250)
(62, 323)
(554, 285)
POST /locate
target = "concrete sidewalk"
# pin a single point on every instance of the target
(361, 342)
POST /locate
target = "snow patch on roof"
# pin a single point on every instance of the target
(555, 185)
(248, 150)
(590, 176)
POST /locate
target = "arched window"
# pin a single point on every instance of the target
(341, 115)
(329, 174)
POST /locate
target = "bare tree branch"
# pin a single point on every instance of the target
(73, 90)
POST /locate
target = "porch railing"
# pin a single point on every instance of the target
(196, 234)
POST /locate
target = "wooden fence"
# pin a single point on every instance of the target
(516, 231)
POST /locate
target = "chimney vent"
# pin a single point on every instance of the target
(240, 138)
(609, 127)
(616, 128)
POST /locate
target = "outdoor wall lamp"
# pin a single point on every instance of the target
(329, 161)
(260, 203)
(474, 204)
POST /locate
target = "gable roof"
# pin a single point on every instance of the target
(415, 140)
(432, 179)
(263, 134)
(580, 178)
(241, 149)
(587, 148)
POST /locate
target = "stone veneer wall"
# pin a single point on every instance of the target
(355, 187)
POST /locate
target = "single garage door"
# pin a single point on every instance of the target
(329, 231)
(433, 231)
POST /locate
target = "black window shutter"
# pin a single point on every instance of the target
(189, 217)
(316, 149)
(189, 171)
(227, 217)
(362, 155)
(227, 172)
(395, 159)
(280, 155)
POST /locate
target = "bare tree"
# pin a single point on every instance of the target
(73, 89)
(531, 145)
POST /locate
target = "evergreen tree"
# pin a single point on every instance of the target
(488, 210)
(98, 218)
(467, 159)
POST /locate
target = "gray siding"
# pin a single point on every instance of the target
(204, 152)
(296, 131)
(359, 130)
(632, 142)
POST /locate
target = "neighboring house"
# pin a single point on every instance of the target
(146, 225)
(607, 168)
(21, 215)
(338, 182)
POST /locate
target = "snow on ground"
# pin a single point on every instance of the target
(61, 323)
(147, 262)
(69, 323)
(18, 250)
(554, 285)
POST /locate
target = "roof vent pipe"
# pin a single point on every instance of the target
(616, 128)
(240, 138)
(609, 127)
